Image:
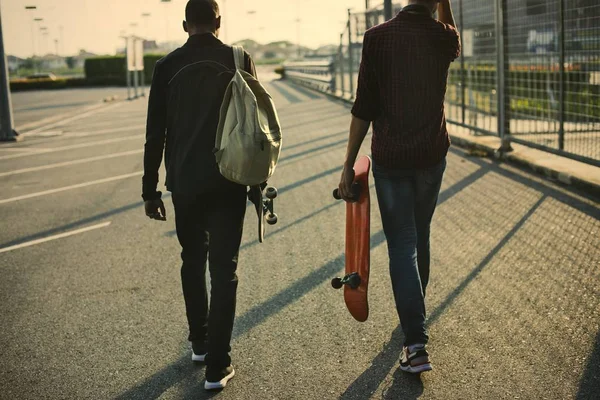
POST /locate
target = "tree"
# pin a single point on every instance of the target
(70, 62)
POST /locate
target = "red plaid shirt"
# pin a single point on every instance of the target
(401, 88)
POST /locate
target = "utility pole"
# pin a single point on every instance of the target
(367, 15)
(62, 40)
(145, 17)
(387, 9)
(166, 2)
(7, 132)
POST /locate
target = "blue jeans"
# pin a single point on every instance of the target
(407, 201)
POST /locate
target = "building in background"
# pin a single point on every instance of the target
(14, 63)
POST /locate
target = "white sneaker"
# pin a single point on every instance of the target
(217, 379)
(415, 359)
(198, 357)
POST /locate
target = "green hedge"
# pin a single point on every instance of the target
(149, 63)
(71, 83)
(109, 68)
(114, 68)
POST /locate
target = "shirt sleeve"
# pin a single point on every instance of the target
(450, 41)
(249, 65)
(366, 105)
(156, 126)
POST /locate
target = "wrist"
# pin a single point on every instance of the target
(150, 196)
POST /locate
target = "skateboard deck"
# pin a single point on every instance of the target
(358, 246)
(264, 203)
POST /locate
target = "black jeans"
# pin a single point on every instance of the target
(209, 228)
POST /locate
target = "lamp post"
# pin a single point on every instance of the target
(387, 9)
(43, 40)
(298, 21)
(32, 8)
(7, 132)
(166, 2)
(251, 15)
(62, 42)
(145, 17)
(225, 36)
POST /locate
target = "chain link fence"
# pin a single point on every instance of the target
(529, 72)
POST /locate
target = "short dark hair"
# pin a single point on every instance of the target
(201, 12)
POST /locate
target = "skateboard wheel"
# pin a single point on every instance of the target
(336, 194)
(272, 219)
(336, 283)
(271, 193)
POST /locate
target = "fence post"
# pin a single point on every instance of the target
(463, 82)
(367, 14)
(7, 132)
(350, 55)
(387, 9)
(561, 112)
(332, 73)
(342, 72)
(502, 68)
(129, 84)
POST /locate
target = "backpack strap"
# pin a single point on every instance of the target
(239, 57)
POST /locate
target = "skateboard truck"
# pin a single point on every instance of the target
(268, 206)
(353, 281)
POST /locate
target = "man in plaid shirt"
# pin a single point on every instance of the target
(401, 90)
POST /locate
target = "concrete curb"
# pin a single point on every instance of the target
(553, 167)
(556, 168)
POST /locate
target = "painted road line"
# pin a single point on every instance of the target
(55, 237)
(58, 117)
(72, 187)
(21, 149)
(103, 131)
(68, 163)
(71, 119)
(72, 147)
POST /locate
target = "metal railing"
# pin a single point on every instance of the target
(316, 74)
(529, 72)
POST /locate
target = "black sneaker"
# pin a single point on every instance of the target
(199, 351)
(415, 359)
(217, 378)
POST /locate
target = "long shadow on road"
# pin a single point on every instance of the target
(176, 373)
(589, 387)
(403, 387)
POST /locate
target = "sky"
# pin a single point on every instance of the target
(96, 25)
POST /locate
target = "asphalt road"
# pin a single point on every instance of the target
(30, 107)
(91, 305)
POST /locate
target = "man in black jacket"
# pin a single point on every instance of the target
(183, 112)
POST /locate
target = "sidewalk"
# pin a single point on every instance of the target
(556, 168)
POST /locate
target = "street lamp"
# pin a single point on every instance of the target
(145, 17)
(44, 33)
(166, 2)
(133, 25)
(7, 133)
(252, 14)
(62, 42)
(32, 8)
(298, 21)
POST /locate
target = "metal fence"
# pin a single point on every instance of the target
(529, 72)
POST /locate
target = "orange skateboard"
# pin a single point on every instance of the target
(358, 246)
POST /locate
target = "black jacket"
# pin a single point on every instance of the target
(188, 87)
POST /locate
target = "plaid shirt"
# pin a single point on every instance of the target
(402, 85)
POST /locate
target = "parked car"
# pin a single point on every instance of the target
(42, 76)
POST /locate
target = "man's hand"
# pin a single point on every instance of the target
(155, 209)
(345, 187)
